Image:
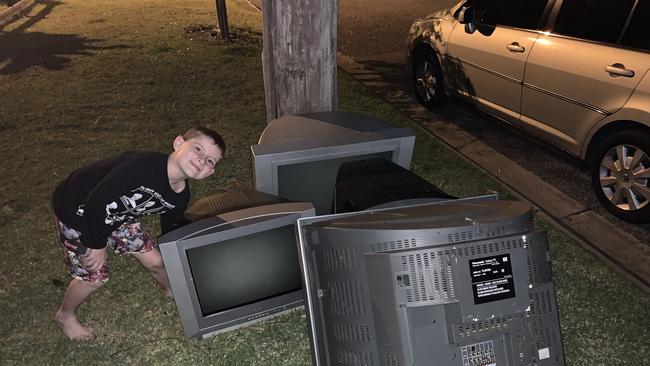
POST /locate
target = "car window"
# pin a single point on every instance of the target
(595, 20)
(637, 34)
(512, 13)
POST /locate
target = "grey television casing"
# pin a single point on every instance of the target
(357, 310)
(213, 231)
(293, 141)
(422, 299)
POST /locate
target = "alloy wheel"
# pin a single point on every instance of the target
(625, 177)
(425, 80)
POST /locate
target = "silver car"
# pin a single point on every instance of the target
(572, 72)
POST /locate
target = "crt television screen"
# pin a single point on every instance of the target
(246, 269)
(314, 181)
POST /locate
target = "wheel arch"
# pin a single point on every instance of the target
(601, 133)
(420, 48)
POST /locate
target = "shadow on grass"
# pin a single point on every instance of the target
(22, 50)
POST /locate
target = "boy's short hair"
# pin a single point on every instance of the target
(201, 130)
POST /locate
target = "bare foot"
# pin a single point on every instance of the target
(72, 328)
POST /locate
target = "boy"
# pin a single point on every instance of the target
(99, 205)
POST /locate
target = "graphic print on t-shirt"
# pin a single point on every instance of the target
(139, 202)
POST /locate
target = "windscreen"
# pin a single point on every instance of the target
(314, 181)
(244, 270)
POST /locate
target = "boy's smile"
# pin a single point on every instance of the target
(195, 158)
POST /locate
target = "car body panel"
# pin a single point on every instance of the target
(566, 93)
(433, 31)
(486, 69)
(636, 110)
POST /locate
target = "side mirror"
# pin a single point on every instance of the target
(466, 15)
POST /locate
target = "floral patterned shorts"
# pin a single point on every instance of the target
(128, 238)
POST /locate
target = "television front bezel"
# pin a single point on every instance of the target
(340, 141)
(212, 231)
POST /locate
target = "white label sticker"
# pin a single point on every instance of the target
(544, 353)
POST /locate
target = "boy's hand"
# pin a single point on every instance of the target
(94, 259)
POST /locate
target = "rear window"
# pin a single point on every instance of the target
(595, 20)
(511, 13)
(637, 34)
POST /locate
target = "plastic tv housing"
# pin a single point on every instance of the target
(464, 282)
(236, 268)
(298, 156)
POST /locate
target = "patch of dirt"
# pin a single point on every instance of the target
(212, 34)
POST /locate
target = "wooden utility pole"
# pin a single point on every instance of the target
(299, 56)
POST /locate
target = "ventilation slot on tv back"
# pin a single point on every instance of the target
(340, 259)
(497, 231)
(541, 333)
(354, 358)
(537, 336)
(393, 245)
(460, 237)
(480, 232)
(539, 269)
(357, 333)
(540, 303)
(346, 298)
(494, 324)
(486, 248)
(429, 276)
(391, 359)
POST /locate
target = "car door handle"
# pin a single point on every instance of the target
(515, 47)
(620, 70)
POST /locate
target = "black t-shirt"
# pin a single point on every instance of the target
(97, 199)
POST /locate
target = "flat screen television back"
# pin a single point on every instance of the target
(298, 156)
(236, 268)
(458, 282)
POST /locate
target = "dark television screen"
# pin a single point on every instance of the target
(246, 269)
(314, 181)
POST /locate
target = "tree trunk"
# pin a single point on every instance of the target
(299, 56)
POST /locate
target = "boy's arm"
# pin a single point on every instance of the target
(94, 259)
(172, 220)
(103, 204)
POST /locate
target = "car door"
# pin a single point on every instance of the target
(486, 63)
(580, 72)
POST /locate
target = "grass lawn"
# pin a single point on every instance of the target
(83, 79)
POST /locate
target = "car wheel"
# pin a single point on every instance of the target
(427, 79)
(620, 174)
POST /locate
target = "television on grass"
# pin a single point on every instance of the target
(463, 282)
(235, 268)
(298, 156)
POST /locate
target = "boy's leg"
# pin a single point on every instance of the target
(84, 282)
(66, 317)
(133, 239)
(152, 261)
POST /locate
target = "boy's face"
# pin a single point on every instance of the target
(196, 157)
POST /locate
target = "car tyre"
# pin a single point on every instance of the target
(427, 79)
(620, 175)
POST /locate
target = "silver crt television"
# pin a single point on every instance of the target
(454, 283)
(298, 157)
(235, 268)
